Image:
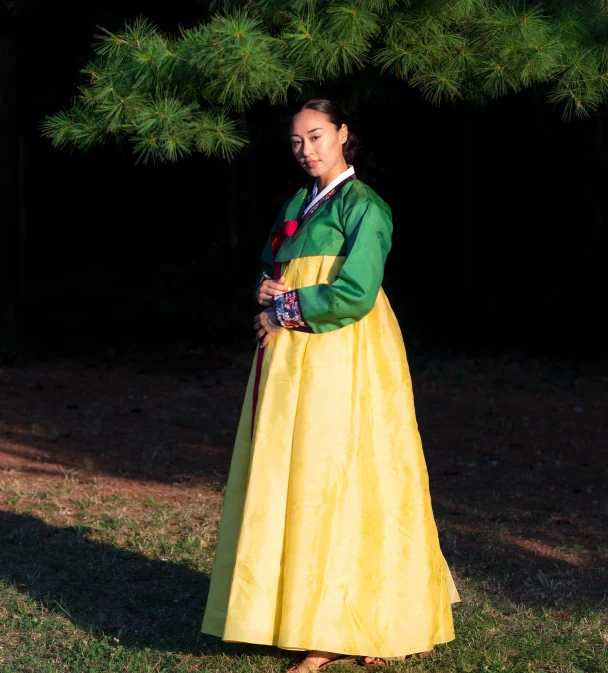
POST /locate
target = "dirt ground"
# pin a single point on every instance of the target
(515, 447)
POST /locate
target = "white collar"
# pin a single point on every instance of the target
(317, 197)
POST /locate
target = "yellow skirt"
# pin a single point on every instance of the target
(328, 539)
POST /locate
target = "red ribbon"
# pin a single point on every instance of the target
(288, 228)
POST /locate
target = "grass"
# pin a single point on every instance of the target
(104, 572)
(120, 586)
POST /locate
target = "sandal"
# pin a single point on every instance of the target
(303, 667)
(383, 661)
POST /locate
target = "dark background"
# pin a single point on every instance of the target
(499, 213)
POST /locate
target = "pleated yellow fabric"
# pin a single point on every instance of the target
(328, 539)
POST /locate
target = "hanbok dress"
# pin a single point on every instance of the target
(328, 539)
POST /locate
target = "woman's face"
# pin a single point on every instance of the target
(317, 144)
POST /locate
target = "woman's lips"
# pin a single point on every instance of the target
(312, 164)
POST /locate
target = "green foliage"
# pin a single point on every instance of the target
(170, 96)
(150, 90)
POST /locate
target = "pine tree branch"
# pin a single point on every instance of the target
(170, 96)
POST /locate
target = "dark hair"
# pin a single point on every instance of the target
(337, 118)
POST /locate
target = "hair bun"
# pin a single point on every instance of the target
(351, 147)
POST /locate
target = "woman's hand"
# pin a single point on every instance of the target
(268, 289)
(266, 326)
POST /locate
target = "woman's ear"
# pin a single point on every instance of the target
(343, 133)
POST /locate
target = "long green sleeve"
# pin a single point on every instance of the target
(367, 225)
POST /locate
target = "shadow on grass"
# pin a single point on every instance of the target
(531, 565)
(174, 419)
(159, 604)
(145, 603)
(146, 420)
(518, 486)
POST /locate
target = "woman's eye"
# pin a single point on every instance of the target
(315, 137)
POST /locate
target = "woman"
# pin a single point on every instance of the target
(327, 541)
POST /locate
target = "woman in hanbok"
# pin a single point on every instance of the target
(327, 542)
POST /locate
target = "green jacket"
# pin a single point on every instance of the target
(355, 223)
